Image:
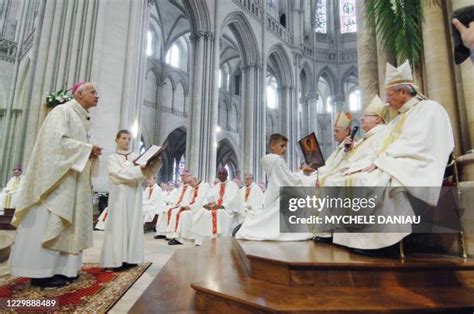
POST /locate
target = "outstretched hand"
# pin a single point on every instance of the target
(467, 33)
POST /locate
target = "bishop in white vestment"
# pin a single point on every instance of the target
(54, 210)
(363, 152)
(341, 130)
(412, 156)
(219, 215)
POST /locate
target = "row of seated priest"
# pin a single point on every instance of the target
(196, 210)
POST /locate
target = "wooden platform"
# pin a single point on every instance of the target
(229, 276)
(6, 218)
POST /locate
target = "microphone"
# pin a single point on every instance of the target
(353, 133)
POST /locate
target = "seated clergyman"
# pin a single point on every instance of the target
(411, 157)
(9, 193)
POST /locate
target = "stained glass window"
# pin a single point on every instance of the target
(149, 43)
(272, 93)
(320, 17)
(272, 3)
(347, 15)
(355, 101)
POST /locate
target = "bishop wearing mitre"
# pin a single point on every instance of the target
(410, 160)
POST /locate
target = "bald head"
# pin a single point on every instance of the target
(222, 174)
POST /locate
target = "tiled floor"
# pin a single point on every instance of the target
(156, 251)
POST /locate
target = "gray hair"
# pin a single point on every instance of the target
(249, 175)
(406, 87)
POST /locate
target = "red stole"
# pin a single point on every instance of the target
(247, 193)
(214, 209)
(180, 199)
(182, 209)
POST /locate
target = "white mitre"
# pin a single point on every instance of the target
(400, 76)
(377, 107)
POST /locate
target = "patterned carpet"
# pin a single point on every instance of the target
(96, 290)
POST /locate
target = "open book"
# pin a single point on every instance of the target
(149, 155)
(311, 151)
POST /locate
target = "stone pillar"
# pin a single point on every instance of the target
(339, 103)
(288, 120)
(201, 135)
(261, 143)
(251, 119)
(120, 32)
(437, 60)
(74, 40)
(367, 56)
(313, 112)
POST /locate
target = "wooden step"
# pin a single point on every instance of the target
(307, 263)
(217, 278)
(6, 219)
(250, 296)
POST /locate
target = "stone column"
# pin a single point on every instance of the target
(437, 60)
(251, 119)
(313, 112)
(288, 119)
(367, 56)
(120, 31)
(261, 109)
(74, 40)
(201, 135)
(339, 103)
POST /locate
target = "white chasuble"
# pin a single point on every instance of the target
(54, 205)
(413, 156)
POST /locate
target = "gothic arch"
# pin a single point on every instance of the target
(175, 148)
(243, 33)
(351, 72)
(331, 79)
(198, 15)
(227, 154)
(151, 83)
(280, 65)
(309, 74)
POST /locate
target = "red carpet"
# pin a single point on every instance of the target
(96, 290)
